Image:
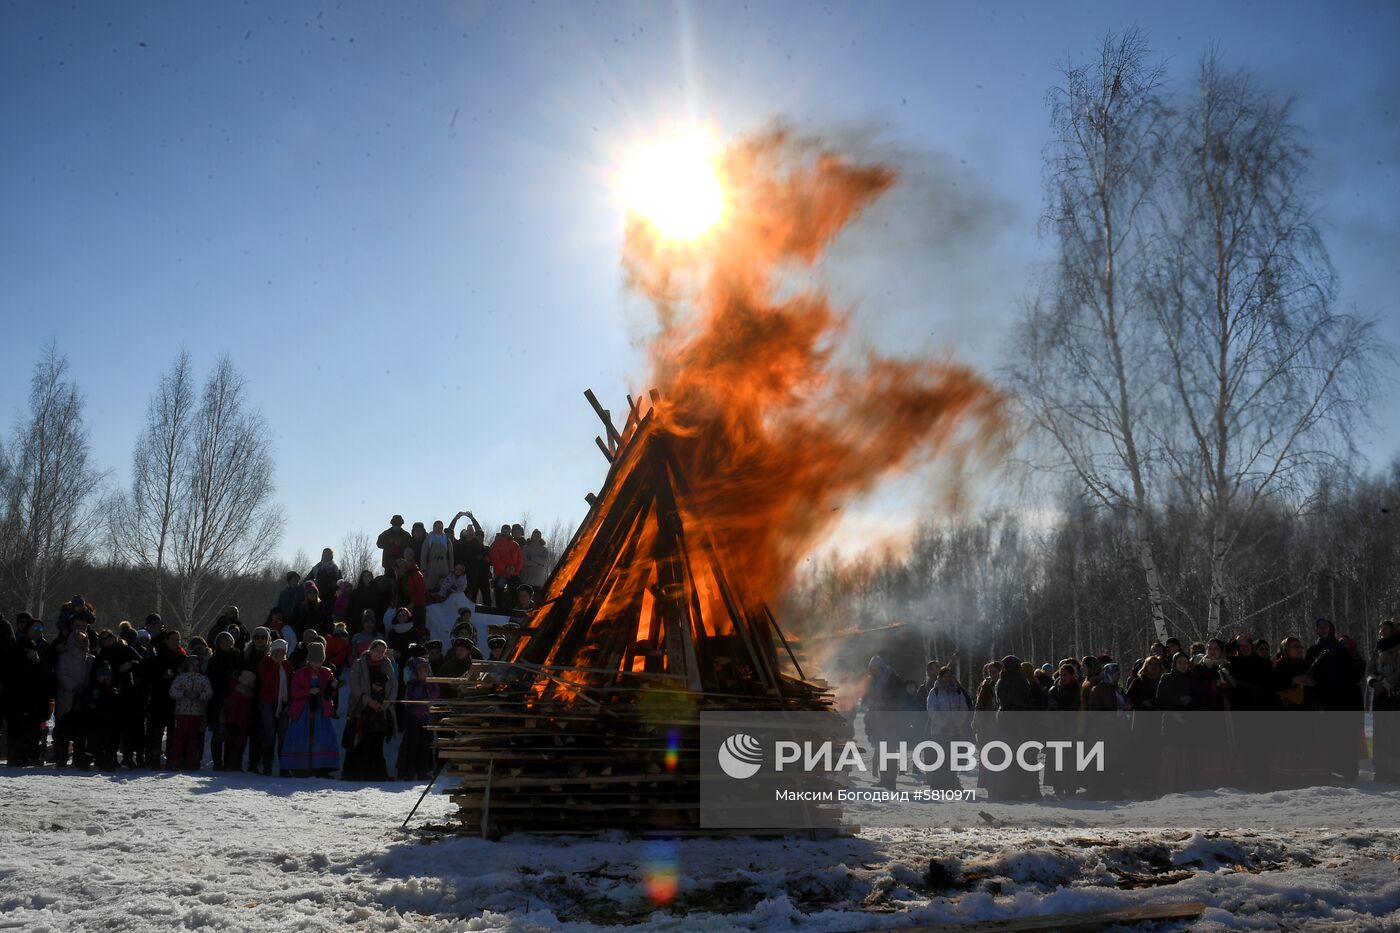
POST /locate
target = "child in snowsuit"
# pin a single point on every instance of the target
(191, 691)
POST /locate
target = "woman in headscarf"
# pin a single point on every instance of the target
(370, 719)
(310, 747)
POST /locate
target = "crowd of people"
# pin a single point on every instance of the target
(1143, 708)
(338, 669)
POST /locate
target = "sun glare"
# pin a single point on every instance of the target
(673, 184)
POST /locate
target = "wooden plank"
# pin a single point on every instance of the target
(1077, 922)
(614, 439)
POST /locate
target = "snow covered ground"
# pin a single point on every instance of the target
(233, 852)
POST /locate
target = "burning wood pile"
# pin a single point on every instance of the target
(590, 723)
(772, 422)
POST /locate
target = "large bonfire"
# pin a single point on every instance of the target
(762, 423)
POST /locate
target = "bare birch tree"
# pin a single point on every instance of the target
(1267, 373)
(49, 486)
(1085, 360)
(357, 552)
(160, 476)
(226, 524)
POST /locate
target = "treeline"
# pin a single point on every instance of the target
(1069, 580)
(195, 529)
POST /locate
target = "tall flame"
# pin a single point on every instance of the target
(780, 423)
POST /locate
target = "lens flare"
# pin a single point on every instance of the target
(673, 750)
(661, 872)
(674, 185)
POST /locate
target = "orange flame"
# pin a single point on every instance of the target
(777, 425)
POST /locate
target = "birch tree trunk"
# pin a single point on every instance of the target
(1267, 373)
(1086, 365)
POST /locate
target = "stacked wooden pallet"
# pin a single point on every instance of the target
(625, 758)
(590, 720)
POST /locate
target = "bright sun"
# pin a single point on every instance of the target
(673, 184)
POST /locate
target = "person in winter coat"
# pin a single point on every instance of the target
(454, 582)
(313, 613)
(1064, 693)
(1015, 698)
(883, 702)
(507, 562)
(404, 632)
(476, 557)
(363, 598)
(326, 574)
(1106, 694)
(298, 657)
(949, 719)
(99, 718)
(124, 662)
(413, 589)
(370, 721)
(459, 660)
(290, 595)
(1106, 715)
(360, 642)
(229, 621)
(31, 685)
(222, 669)
(338, 648)
(76, 615)
(163, 666)
(416, 752)
(1251, 677)
(537, 558)
(143, 676)
(274, 684)
(1142, 685)
(1176, 696)
(1338, 675)
(1385, 703)
(190, 691)
(1291, 683)
(340, 608)
(310, 747)
(984, 705)
(394, 542)
(435, 556)
(239, 712)
(279, 627)
(1063, 696)
(73, 671)
(252, 660)
(1176, 689)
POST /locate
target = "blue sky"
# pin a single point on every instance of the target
(401, 220)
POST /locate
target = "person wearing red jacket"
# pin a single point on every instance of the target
(275, 678)
(507, 562)
(338, 647)
(414, 588)
(238, 712)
